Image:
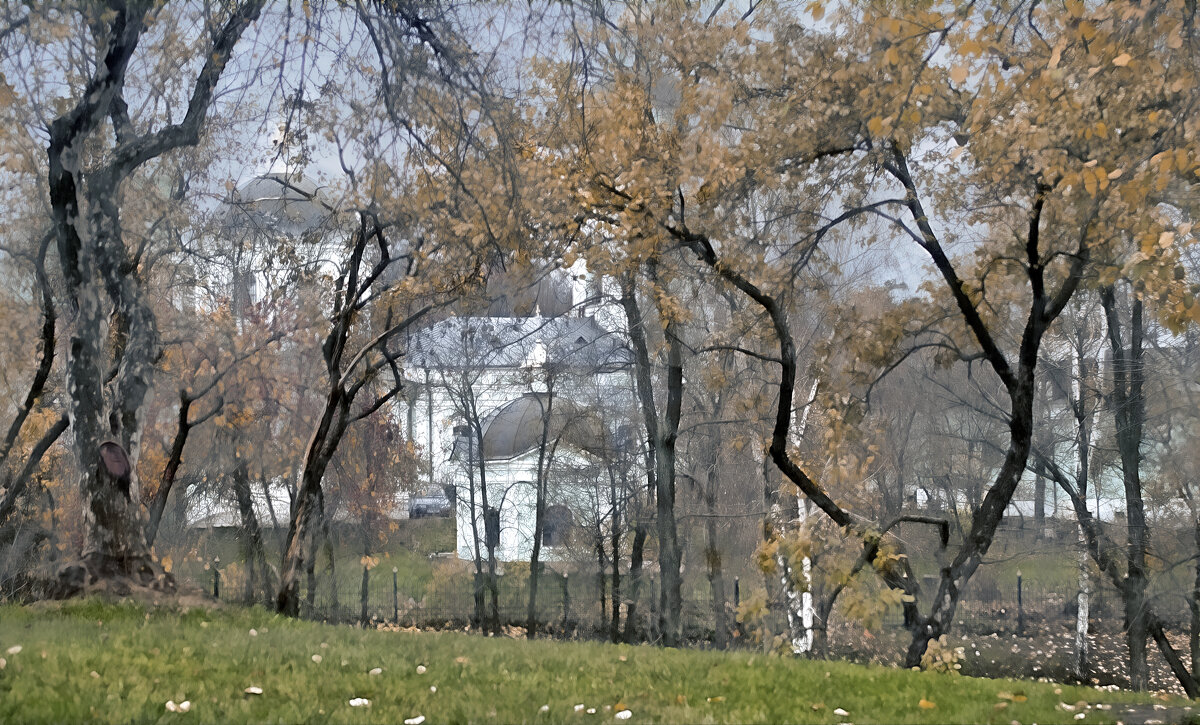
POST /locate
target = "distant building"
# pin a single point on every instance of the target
(523, 377)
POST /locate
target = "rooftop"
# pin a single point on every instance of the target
(574, 343)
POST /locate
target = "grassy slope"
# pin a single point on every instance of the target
(142, 659)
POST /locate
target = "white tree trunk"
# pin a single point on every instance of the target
(800, 603)
(1081, 616)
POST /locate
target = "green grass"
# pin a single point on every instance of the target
(143, 658)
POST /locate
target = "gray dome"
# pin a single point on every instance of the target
(516, 428)
(282, 203)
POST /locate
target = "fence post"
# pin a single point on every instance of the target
(395, 596)
(1020, 606)
(364, 594)
(737, 593)
(216, 577)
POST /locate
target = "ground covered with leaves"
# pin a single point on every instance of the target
(92, 661)
(1043, 650)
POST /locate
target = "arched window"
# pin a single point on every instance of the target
(556, 527)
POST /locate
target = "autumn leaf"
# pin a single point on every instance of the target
(926, 704)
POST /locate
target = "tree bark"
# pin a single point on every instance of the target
(1130, 414)
(662, 436)
(253, 550)
(354, 290)
(712, 556)
(158, 503)
(539, 512)
(636, 575)
(300, 530)
(1194, 606)
(113, 327)
(1081, 405)
(615, 498)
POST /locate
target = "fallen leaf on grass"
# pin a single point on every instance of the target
(818, 706)
(718, 698)
(317, 659)
(253, 691)
(926, 704)
(461, 660)
(94, 675)
(375, 671)
(680, 700)
(15, 649)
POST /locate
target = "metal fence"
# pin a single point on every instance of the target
(567, 605)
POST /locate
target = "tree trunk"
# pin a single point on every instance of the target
(335, 604)
(113, 327)
(1081, 404)
(983, 524)
(364, 594)
(1039, 507)
(349, 298)
(601, 579)
(159, 502)
(716, 585)
(477, 616)
(1109, 566)
(308, 505)
(614, 627)
(491, 533)
(1130, 414)
(661, 436)
(636, 559)
(539, 515)
(252, 543)
(310, 575)
(1194, 605)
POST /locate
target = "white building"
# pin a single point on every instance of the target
(491, 395)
